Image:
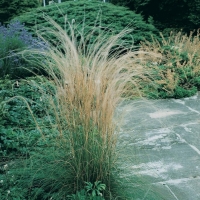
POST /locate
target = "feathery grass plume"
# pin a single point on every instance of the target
(90, 81)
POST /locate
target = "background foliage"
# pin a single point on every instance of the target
(176, 72)
(14, 38)
(12, 8)
(176, 14)
(18, 129)
(92, 15)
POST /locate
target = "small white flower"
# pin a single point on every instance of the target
(73, 21)
(8, 191)
(40, 98)
(1, 181)
(5, 166)
(154, 63)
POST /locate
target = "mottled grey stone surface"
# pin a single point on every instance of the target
(159, 141)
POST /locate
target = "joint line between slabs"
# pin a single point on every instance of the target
(171, 192)
(192, 146)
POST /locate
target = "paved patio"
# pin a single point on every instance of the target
(160, 147)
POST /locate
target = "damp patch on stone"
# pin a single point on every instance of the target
(164, 113)
(157, 139)
(157, 169)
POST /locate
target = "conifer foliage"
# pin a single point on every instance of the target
(12, 8)
(92, 15)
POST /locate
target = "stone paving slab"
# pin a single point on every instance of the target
(160, 144)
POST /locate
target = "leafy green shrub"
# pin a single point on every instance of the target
(15, 38)
(91, 15)
(176, 66)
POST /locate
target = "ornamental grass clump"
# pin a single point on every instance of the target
(89, 82)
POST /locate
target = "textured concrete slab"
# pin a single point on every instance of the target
(160, 146)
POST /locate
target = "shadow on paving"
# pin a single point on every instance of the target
(160, 148)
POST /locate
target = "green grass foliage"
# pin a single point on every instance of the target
(98, 16)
